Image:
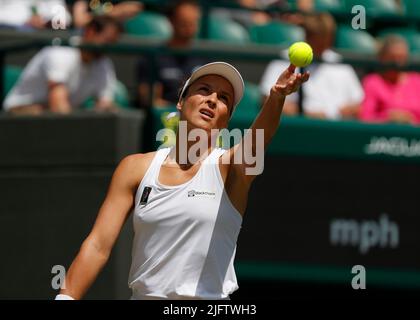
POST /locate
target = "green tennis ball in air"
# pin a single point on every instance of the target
(300, 54)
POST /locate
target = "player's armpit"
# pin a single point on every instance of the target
(115, 210)
(118, 201)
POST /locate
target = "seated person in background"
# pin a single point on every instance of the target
(392, 95)
(171, 71)
(303, 7)
(35, 14)
(84, 10)
(247, 17)
(61, 78)
(334, 91)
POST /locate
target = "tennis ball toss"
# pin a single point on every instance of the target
(300, 54)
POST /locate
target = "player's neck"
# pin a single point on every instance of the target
(190, 152)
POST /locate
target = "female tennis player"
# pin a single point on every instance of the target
(186, 214)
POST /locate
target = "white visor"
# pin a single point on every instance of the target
(223, 69)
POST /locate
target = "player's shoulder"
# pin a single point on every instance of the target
(137, 160)
(132, 168)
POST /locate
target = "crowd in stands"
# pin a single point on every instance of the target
(171, 71)
(59, 79)
(334, 91)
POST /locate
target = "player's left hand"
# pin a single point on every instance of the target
(289, 82)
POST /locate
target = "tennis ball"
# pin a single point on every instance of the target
(300, 54)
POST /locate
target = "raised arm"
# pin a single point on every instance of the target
(269, 116)
(96, 248)
(268, 120)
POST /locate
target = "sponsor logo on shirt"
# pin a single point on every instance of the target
(201, 194)
(145, 195)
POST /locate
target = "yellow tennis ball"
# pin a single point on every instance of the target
(300, 54)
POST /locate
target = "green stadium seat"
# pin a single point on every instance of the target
(375, 7)
(412, 8)
(412, 37)
(122, 97)
(329, 5)
(10, 77)
(149, 24)
(277, 33)
(355, 40)
(222, 29)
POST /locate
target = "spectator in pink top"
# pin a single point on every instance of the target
(392, 95)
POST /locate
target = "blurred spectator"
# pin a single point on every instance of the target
(80, 12)
(84, 10)
(392, 95)
(254, 17)
(32, 14)
(334, 91)
(400, 4)
(248, 17)
(305, 5)
(171, 71)
(61, 78)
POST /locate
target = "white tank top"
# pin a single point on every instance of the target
(185, 235)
